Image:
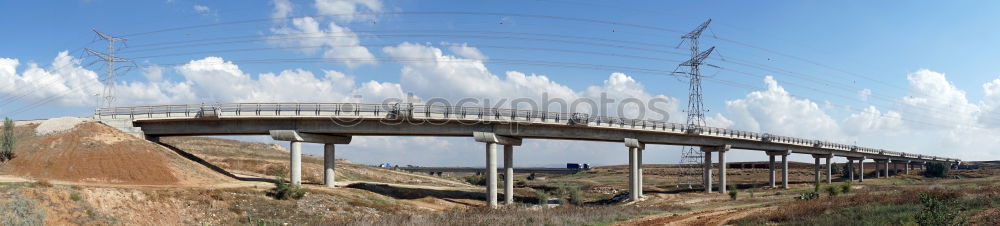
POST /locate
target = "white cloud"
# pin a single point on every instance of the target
(335, 41)
(201, 9)
(465, 51)
(871, 120)
(282, 8)
(347, 11)
(938, 100)
(990, 115)
(775, 111)
(864, 94)
(65, 82)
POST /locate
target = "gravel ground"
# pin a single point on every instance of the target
(57, 125)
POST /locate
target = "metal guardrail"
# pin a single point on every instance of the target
(440, 112)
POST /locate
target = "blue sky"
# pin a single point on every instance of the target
(833, 51)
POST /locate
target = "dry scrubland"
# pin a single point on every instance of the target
(94, 175)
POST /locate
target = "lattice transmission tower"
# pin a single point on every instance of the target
(691, 157)
(108, 96)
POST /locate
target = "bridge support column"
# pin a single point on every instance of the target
(784, 166)
(722, 166)
(491, 141)
(816, 168)
(909, 166)
(491, 174)
(861, 169)
(878, 170)
(861, 163)
(295, 157)
(708, 172)
(829, 170)
(641, 175)
(784, 171)
(329, 165)
(850, 170)
(508, 174)
(887, 168)
(771, 170)
(635, 148)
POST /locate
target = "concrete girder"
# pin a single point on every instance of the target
(490, 137)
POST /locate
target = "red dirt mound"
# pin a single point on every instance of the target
(95, 153)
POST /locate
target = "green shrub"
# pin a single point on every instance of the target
(846, 170)
(934, 212)
(284, 191)
(832, 190)
(936, 169)
(75, 196)
(7, 141)
(542, 196)
(520, 183)
(732, 192)
(475, 180)
(575, 196)
(845, 187)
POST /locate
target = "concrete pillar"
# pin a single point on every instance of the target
(887, 168)
(491, 174)
(722, 171)
(907, 168)
(878, 171)
(861, 164)
(633, 177)
(329, 165)
(816, 168)
(850, 170)
(784, 171)
(708, 172)
(508, 174)
(829, 170)
(639, 183)
(771, 170)
(295, 156)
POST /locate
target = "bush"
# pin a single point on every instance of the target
(846, 170)
(575, 196)
(832, 190)
(75, 196)
(808, 196)
(285, 191)
(845, 187)
(936, 169)
(542, 196)
(476, 180)
(7, 141)
(43, 183)
(732, 192)
(935, 212)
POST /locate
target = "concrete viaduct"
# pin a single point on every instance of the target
(336, 123)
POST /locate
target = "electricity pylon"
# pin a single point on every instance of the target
(109, 61)
(691, 156)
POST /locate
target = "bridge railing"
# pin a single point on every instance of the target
(441, 112)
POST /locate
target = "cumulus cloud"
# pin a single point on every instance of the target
(347, 11)
(872, 120)
(775, 111)
(65, 82)
(931, 93)
(430, 72)
(336, 42)
(282, 8)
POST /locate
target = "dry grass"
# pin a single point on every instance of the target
(804, 210)
(598, 215)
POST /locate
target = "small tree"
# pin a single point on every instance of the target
(846, 170)
(935, 212)
(732, 192)
(936, 169)
(7, 140)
